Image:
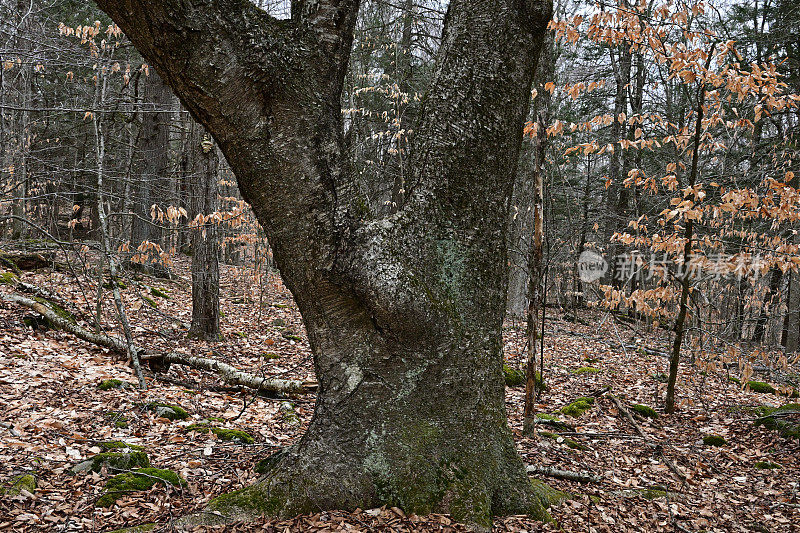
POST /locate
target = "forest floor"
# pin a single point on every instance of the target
(53, 416)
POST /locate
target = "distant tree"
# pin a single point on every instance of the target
(404, 312)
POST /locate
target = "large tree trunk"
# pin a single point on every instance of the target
(403, 313)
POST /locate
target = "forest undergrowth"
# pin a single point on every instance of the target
(54, 415)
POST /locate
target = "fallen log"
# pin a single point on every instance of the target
(229, 374)
(580, 477)
(233, 376)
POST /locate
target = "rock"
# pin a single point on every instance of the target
(760, 386)
(785, 419)
(714, 440)
(24, 482)
(138, 480)
(289, 415)
(113, 461)
(108, 384)
(119, 446)
(231, 435)
(578, 406)
(168, 411)
(645, 411)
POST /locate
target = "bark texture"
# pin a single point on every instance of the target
(403, 313)
(205, 237)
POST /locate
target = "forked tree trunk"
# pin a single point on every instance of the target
(403, 313)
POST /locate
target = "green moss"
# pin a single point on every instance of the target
(113, 461)
(160, 293)
(149, 301)
(138, 480)
(514, 377)
(120, 284)
(644, 410)
(233, 435)
(270, 355)
(118, 419)
(578, 407)
(108, 384)
(734, 380)
(201, 427)
(586, 370)
(241, 334)
(57, 309)
(783, 419)
(660, 377)
(291, 336)
(766, 465)
(8, 278)
(279, 323)
(548, 495)
(118, 445)
(760, 386)
(25, 482)
(653, 493)
(714, 440)
(168, 411)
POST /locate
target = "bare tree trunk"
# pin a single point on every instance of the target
(205, 237)
(688, 235)
(404, 313)
(150, 181)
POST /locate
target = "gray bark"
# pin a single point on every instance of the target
(404, 313)
(205, 238)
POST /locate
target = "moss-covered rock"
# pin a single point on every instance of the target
(108, 384)
(26, 482)
(577, 407)
(230, 435)
(644, 410)
(138, 480)
(118, 445)
(113, 461)
(761, 387)
(270, 355)
(766, 465)
(168, 411)
(233, 435)
(8, 278)
(586, 370)
(785, 420)
(714, 440)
